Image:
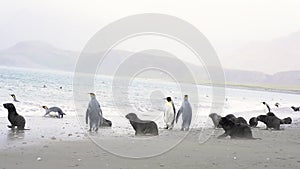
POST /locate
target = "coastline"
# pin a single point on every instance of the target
(277, 149)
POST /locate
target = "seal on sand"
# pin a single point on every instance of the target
(142, 127)
(14, 118)
(235, 130)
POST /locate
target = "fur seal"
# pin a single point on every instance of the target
(54, 109)
(14, 97)
(14, 118)
(253, 122)
(241, 120)
(94, 113)
(287, 120)
(215, 118)
(142, 127)
(270, 121)
(235, 130)
(186, 111)
(169, 114)
(236, 119)
(231, 117)
(270, 114)
(295, 108)
(106, 123)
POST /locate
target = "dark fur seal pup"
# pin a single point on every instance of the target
(106, 123)
(287, 120)
(142, 127)
(14, 118)
(231, 117)
(241, 120)
(236, 120)
(215, 118)
(54, 109)
(295, 108)
(253, 122)
(14, 97)
(270, 114)
(235, 130)
(270, 121)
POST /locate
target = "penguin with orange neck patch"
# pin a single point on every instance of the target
(54, 109)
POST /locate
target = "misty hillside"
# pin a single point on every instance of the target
(267, 55)
(45, 56)
(36, 54)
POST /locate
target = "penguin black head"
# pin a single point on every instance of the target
(13, 96)
(44, 107)
(168, 99)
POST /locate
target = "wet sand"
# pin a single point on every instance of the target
(199, 149)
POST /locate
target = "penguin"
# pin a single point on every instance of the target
(14, 97)
(169, 114)
(268, 107)
(54, 109)
(94, 113)
(277, 104)
(186, 111)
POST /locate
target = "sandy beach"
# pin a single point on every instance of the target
(198, 149)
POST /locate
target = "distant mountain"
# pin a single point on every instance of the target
(35, 54)
(278, 54)
(287, 80)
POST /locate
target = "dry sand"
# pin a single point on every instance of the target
(277, 149)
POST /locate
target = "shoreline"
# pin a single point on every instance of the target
(277, 149)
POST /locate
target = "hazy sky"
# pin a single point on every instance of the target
(69, 24)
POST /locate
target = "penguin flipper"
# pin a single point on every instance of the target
(87, 116)
(178, 114)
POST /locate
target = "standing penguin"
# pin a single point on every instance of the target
(94, 113)
(186, 111)
(169, 114)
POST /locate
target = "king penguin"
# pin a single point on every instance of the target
(94, 113)
(186, 111)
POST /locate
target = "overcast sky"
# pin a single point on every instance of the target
(68, 24)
